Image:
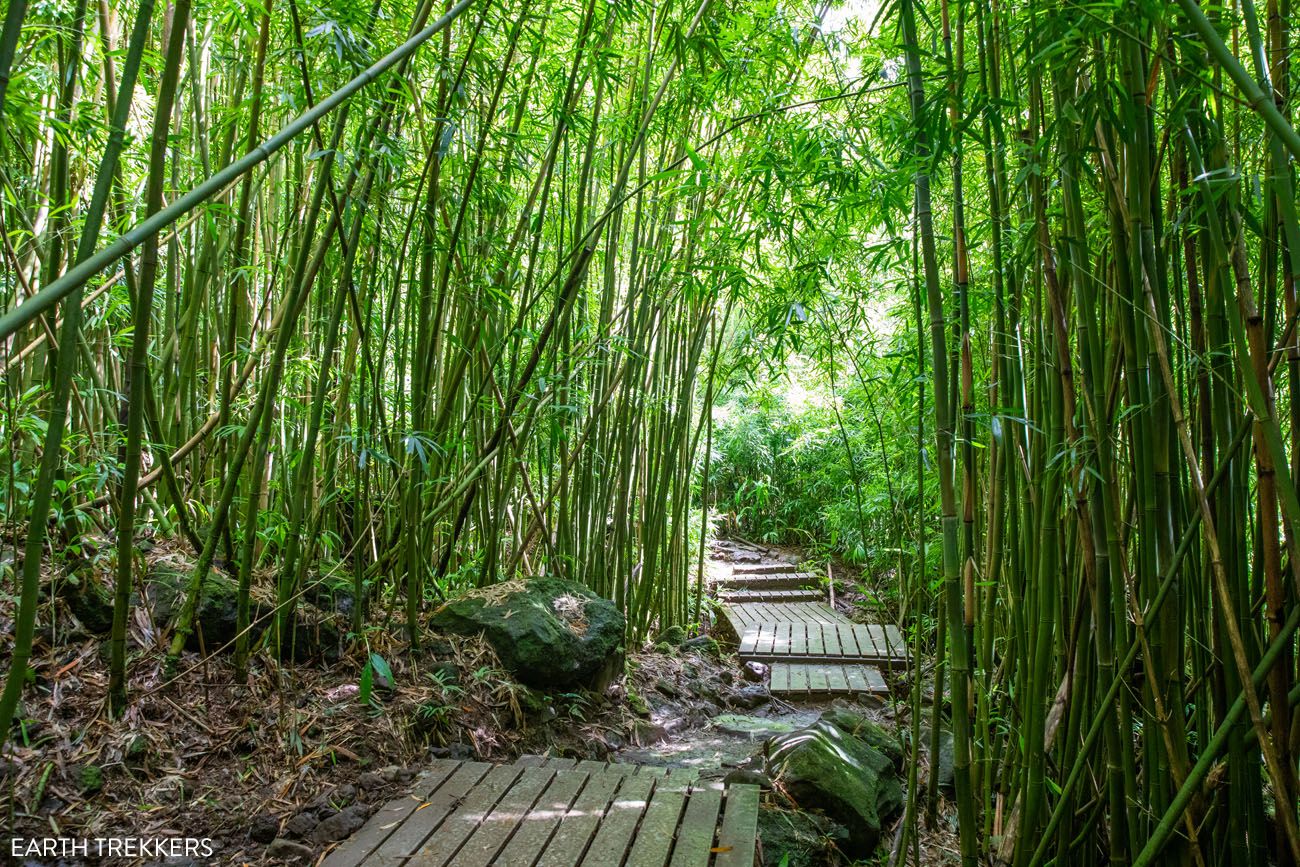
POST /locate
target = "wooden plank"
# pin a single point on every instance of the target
(783, 581)
(390, 816)
(614, 835)
(739, 831)
(813, 643)
(779, 680)
(798, 677)
(569, 842)
(748, 595)
(537, 827)
(855, 678)
(699, 826)
(847, 640)
(749, 641)
(831, 638)
(408, 836)
(654, 839)
(491, 835)
(763, 568)
(443, 844)
(895, 646)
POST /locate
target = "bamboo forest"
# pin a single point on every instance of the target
(762, 433)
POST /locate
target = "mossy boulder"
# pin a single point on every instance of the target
(794, 839)
(90, 599)
(867, 730)
(218, 611)
(550, 633)
(846, 767)
(671, 635)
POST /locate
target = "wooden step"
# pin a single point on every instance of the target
(818, 642)
(782, 581)
(764, 568)
(742, 615)
(559, 813)
(792, 680)
(742, 594)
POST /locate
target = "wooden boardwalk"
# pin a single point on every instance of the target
(821, 642)
(814, 680)
(744, 594)
(777, 618)
(771, 581)
(558, 813)
(743, 615)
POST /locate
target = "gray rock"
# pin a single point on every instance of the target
(289, 852)
(341, 825)
(337, 797)
(847, 767)
(264, 828)
(744, 775)
(754, 672)
(796, 839)
(302, 824)
(707, 643)
(370, 781)
(750, 697)
(671, 635)
(446, 673)
(550, 633)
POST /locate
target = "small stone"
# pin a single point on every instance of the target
(671, 635)
(370, 781)
(754, 672)
(751, 696)
(445, 673)
(341, 825)
(703, 642)
(646, 733)
(439, 647)
(338, 797)
(264, 828)
(743, 775)
(667, 687)
(289, 852)
(638, 704)
(390, 773)
(302, 824)
(91, 779)
(137, 750)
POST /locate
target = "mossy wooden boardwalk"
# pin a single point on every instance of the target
(778, 617)
(559, 813)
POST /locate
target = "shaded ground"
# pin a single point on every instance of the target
(293, 753)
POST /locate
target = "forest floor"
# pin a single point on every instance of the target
(294, 753)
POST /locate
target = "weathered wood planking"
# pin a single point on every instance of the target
(765, 642)
(763, 568)
(813, 679)
(559, 813)
(745, 614)
(734, 595)
(781, 581)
